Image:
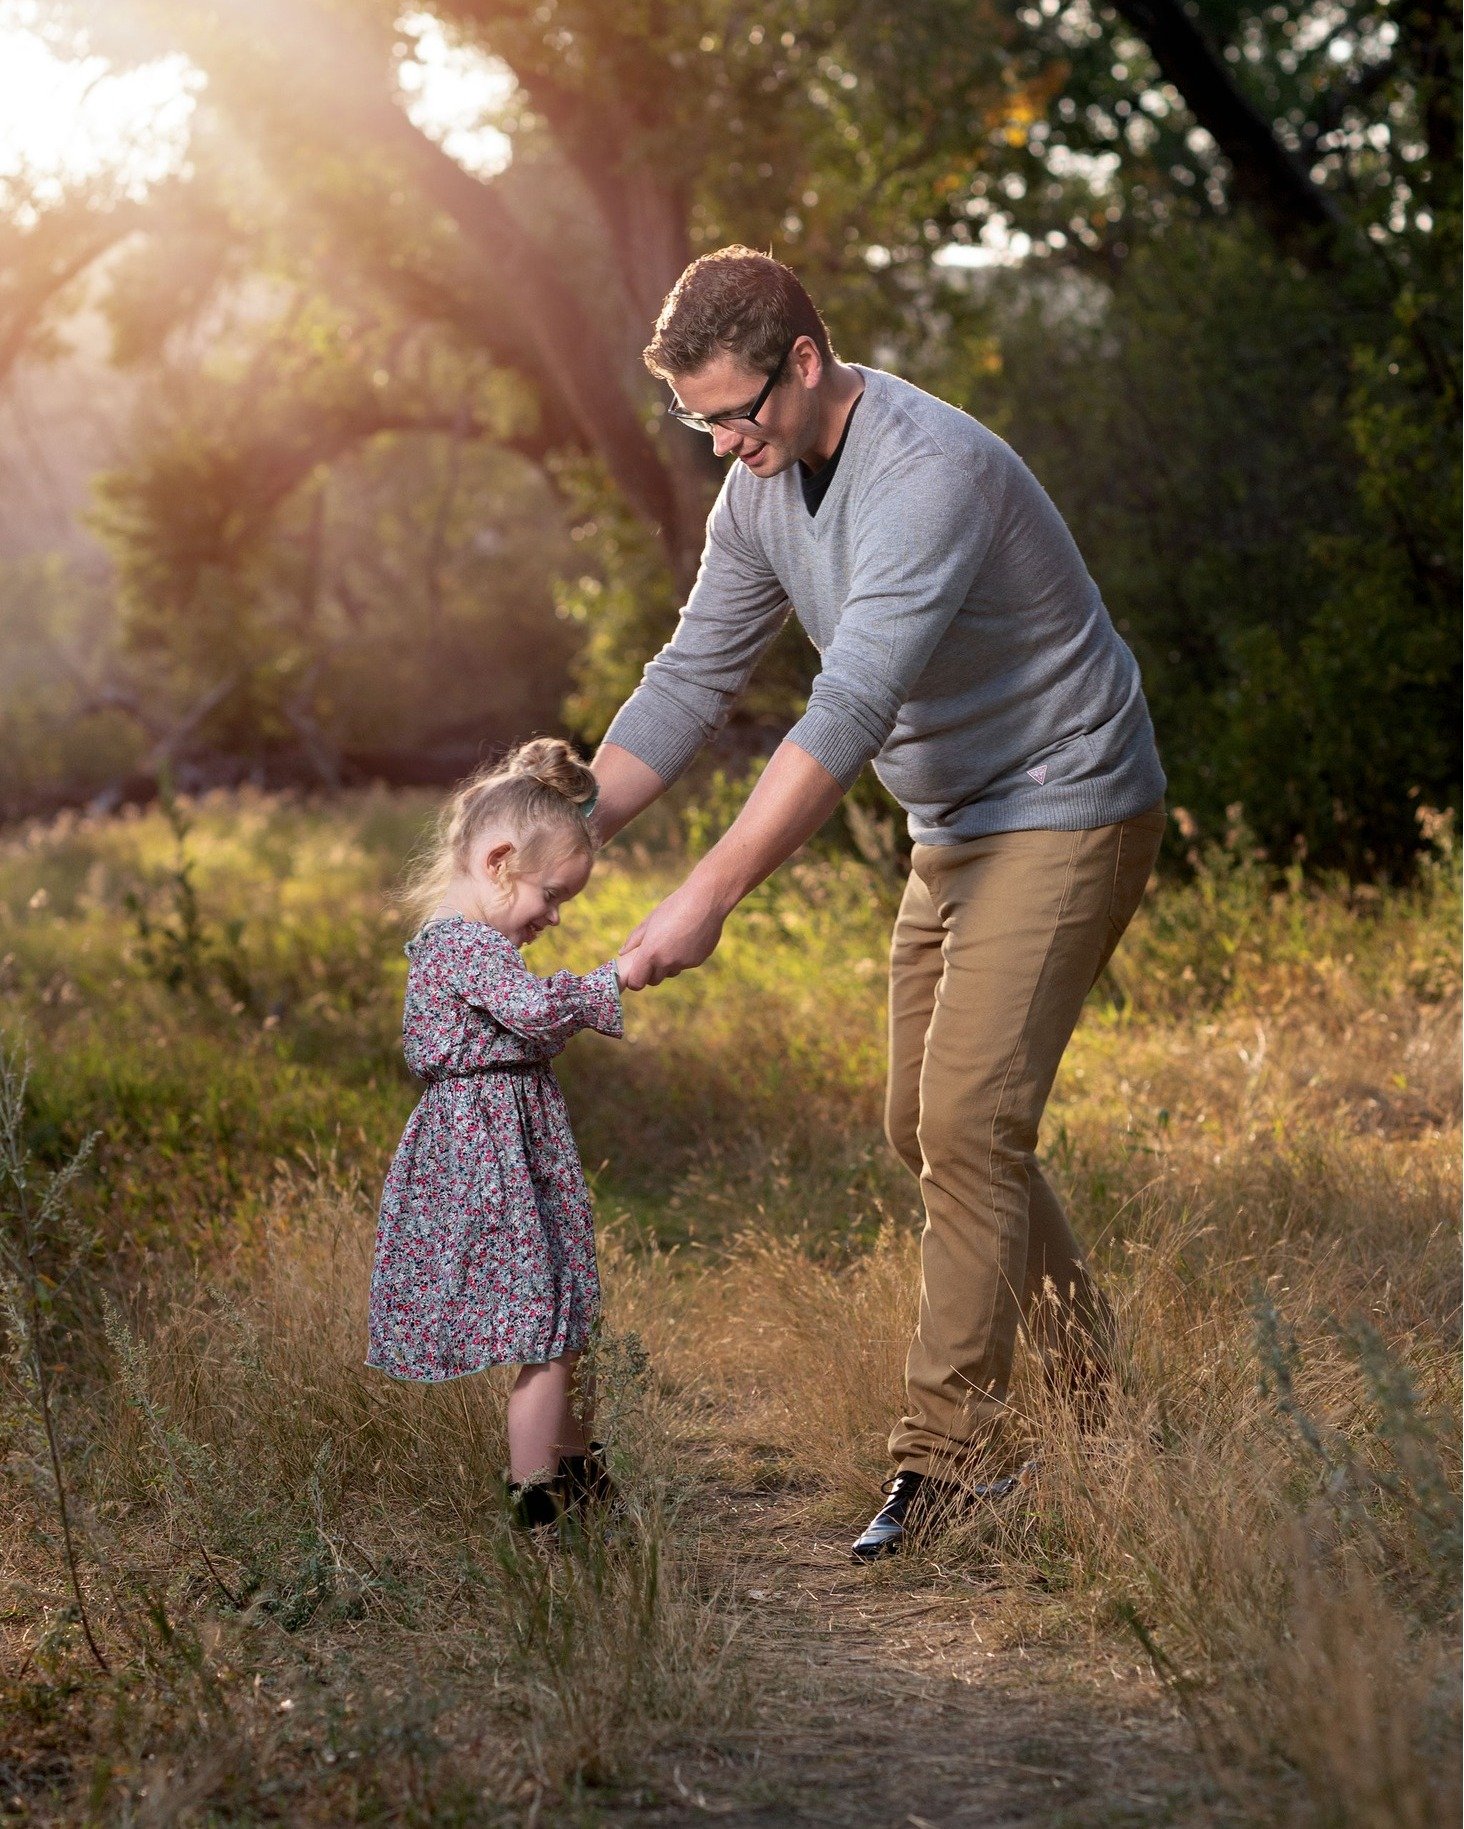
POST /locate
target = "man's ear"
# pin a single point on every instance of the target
(808, 361)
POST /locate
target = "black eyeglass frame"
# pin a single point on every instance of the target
(708, 423)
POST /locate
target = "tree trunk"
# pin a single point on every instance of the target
(1268, 177)
(303, 75)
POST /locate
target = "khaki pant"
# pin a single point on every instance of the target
(997, 943)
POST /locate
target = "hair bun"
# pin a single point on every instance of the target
(553, 764)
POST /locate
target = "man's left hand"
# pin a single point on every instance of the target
(680, 933)
(793, 797)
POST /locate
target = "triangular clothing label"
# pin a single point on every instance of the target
(1039, 774)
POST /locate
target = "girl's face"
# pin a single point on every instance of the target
(522, 903)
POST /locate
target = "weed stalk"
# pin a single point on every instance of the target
(33, 1229)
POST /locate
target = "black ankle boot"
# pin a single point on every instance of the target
(536, 1506)
(586, 1479)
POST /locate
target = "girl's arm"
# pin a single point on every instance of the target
(545, 1012)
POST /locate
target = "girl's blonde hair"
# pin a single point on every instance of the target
(540, 793)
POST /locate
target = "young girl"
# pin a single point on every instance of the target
(485, 1249)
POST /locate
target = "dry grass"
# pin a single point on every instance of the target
(303, 1577)
(309, 1582)
(1270, 1506)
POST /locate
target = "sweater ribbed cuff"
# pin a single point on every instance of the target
(831, 740)
(659, 731)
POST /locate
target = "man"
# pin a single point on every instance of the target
(967, 653)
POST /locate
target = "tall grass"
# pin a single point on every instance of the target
(301, 1571)
(270, 1519)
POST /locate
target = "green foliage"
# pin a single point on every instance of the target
(351, 345)
(301, 530)
(717, 802)
(180, 949)
(60, 733)
(624, 609)
(1235, 919)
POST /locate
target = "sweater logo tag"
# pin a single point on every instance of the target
(1039, 774)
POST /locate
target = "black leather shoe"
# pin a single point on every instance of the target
(916, 1501)
(536, 1506)
(914, 1498)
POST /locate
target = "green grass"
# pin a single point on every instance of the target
(762, 1069)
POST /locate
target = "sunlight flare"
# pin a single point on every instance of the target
(64, 120)
(455, 93)
(67, 119)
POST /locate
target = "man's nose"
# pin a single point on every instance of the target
(724, 442)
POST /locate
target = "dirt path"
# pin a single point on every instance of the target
(896, 1696)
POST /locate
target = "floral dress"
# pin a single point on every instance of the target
(485, 1247)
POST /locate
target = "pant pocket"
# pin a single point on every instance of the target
(1139, 839)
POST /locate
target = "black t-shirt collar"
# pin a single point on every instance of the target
(816, 482)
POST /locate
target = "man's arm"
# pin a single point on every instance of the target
(792, 799)
(734, 612)
(922, 544)
(627, 787)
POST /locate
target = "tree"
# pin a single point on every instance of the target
(1262, 198)
(636, 137)
(333, 516)
(639, 131)
(45, 247)
(1328, 127)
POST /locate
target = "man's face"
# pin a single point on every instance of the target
(787, 421)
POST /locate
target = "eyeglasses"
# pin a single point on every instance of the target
(740, 416)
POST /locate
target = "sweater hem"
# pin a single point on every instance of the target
(1079, 808)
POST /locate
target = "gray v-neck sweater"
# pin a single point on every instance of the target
(965, 650)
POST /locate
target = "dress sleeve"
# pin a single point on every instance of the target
(543, 1013)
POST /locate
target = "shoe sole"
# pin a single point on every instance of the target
(878, 1552)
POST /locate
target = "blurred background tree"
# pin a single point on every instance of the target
(385, 479)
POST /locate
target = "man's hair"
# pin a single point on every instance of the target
(749, 305)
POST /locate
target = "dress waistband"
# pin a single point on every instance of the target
(515, 1069)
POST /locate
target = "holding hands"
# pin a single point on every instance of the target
(682, 932)
(791, 800)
